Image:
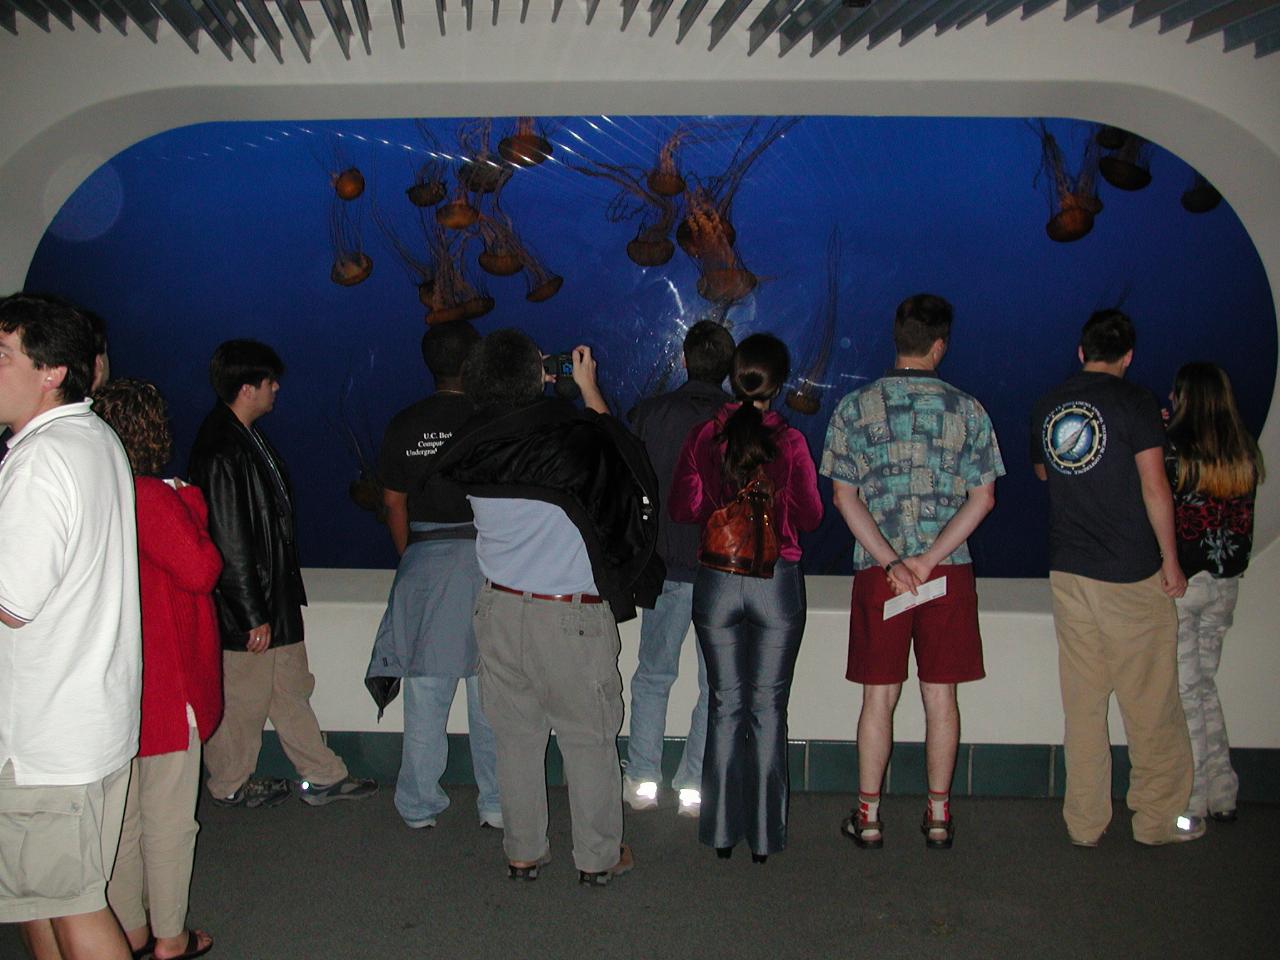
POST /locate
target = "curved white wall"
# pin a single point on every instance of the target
(72, 100)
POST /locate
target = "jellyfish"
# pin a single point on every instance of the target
(503, 254)
(348, 184)
(1128, 167)
(460, 212)
(540, 283)
(1201, 197)
(657, 213)
(452, 296)
(1073, 197)
(429, 184)
(806, 398)
(665, 179)
(335, 159)
(704, 228)
(526, 147)
(351, 265)
(726, 284)
(483, 171)
(419, 265)
(708, 220)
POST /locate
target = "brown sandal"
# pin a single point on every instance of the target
(948, 825)
(854, 827)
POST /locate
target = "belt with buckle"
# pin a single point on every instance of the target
(562, 597)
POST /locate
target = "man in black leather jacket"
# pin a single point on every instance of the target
(565, 506)
(259, 596)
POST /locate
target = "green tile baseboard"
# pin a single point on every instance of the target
(982, 769)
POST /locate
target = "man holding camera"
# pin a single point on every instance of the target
(565, 506)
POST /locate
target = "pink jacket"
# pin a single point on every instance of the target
(698, 487)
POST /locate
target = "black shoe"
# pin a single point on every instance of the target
(1225, 816)
(724, 853)
(602, 878)
(348, 788)
(759, 858)
(257, 792)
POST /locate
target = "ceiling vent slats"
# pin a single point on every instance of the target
(241, 23)
(61, 11)
(115, 14)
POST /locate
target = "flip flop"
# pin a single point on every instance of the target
(193, 948)
(145, 949)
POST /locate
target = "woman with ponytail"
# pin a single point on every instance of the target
(1214, 468)
(749, 627)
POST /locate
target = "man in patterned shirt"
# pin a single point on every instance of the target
(913, 462)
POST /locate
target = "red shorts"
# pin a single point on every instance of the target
(945, 630)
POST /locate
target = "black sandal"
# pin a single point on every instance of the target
(854, 827)
(602, 878)
(949, 825)
(529, 872)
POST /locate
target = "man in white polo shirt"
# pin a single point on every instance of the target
(70, 637)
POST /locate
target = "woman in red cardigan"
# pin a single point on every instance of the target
(749, 628)
(178, 566)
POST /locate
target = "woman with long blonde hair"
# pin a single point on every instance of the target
(1214, 468)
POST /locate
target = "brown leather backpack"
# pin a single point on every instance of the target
(739, 537)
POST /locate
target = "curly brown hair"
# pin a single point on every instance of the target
(135, 410)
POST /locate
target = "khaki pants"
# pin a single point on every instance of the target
(546, 664)
(1121, 638)
(57, 845)
(273, 685)
(158, 842)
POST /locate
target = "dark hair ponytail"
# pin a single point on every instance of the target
(760, 368)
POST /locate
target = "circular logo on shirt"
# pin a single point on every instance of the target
(1074, 437)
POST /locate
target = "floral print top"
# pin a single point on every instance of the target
(1213, 534)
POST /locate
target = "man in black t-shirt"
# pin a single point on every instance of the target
(426, 636)
(1099, 443)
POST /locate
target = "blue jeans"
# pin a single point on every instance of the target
(426, 748)
(662, 633)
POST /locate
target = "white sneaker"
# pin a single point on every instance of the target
(690, 802)
(1185, 828)
(491, 821)
(425, 824)
(640, 794)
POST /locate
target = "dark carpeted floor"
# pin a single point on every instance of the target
(351, 881)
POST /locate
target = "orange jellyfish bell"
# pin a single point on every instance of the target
(350, 269)
(457, 215)
(699, 236)
(806, 400)
(426, 194)
(483, 175)
(348, 184)
(650, 253)
(726, 285)
(1073, 221)
(546, 289)
(500, 263)
(666, 183)
(445, 315)
(524, 149)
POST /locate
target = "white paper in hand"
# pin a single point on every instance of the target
(903, 602)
